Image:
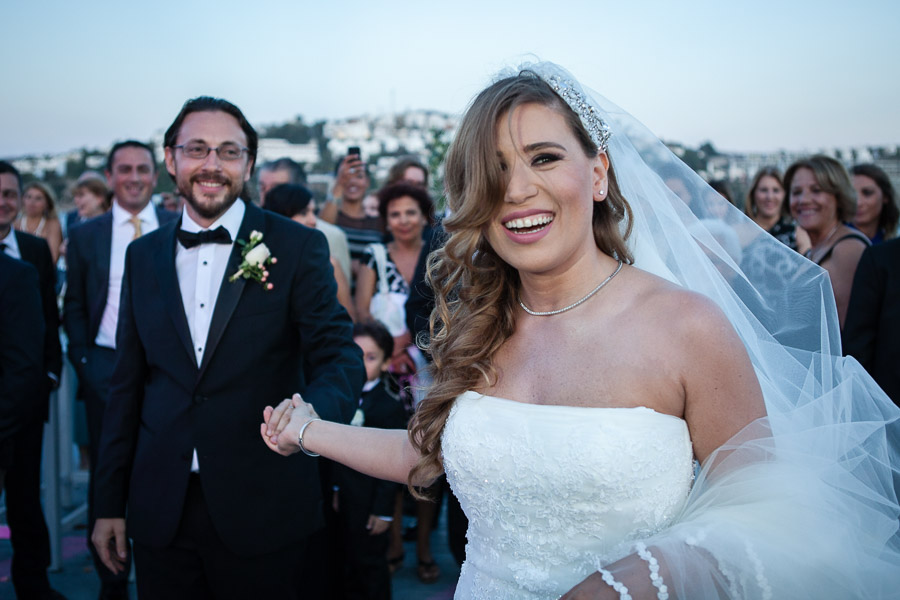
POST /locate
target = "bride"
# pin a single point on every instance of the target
(619, 408)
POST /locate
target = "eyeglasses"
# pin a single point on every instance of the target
(199, 150)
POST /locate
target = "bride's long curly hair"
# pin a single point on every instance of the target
(475, 290)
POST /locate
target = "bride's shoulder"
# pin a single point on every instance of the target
(656, 292)
(672, 308)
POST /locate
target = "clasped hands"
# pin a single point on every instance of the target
(280, 429)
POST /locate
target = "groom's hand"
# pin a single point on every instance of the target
(109, 540)
(272, 427)
(281, 425)
(276, 419)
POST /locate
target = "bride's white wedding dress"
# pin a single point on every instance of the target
(800, 504)
(552, 493)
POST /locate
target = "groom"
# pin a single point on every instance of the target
(200, 353)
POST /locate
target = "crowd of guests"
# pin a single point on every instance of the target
(379, 240)
(832, 217)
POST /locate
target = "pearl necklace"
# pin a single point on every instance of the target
(548, 313)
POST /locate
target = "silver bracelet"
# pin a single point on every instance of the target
(616, 585)
(300, 438)
(655, 578)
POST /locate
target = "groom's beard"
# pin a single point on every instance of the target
(207, 205)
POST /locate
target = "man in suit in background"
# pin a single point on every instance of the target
(277, 172)
(872, 329)
(203, 346)
(28, 528)
(21, 350)
(95, 262)
(285, 170)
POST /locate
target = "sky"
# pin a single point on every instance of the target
(747, 75)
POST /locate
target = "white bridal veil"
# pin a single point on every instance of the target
(801, 504)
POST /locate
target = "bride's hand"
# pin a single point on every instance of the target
(281, 425)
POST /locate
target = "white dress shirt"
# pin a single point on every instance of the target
(12, 245)
(201, 271)
(122, 235)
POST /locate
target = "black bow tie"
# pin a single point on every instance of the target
(219, 235)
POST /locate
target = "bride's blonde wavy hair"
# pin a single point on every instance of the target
(475, 291)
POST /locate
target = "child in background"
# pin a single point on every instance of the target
(363, 504)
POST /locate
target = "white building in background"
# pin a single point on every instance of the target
(97, 162)
(354, 128)
(274, 148)
(39, 166)
(409, 131)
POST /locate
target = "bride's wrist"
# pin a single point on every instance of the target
(302, 433)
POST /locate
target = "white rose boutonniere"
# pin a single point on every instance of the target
(256, 257)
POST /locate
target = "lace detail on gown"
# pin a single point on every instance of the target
(552, 492)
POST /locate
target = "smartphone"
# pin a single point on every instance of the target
(353, 150)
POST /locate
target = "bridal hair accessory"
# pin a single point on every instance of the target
(595, 125)
(548, 313)
(256, 257)
(300, 439)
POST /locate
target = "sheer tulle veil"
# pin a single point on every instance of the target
(801, 504)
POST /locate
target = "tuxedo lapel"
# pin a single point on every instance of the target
(98, 258)
(230, 291)
(103, 249)
(25, 249)
(171, 291)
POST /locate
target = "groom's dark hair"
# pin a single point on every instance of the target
(210, 104)
(6, 167)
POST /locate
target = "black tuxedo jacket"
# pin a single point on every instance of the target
(21, 346)
(263, 345)
(362, 495)
(72, 219)
(87, 280)
(872, 329)
(34, 250)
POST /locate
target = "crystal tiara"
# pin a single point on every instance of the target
(595, 125)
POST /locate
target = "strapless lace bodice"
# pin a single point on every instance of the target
(553, 492)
